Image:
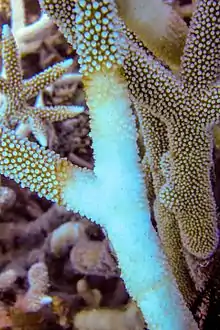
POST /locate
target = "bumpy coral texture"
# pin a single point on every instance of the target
(31, 165)
(188, 108)
(98, 38)
(16, 91)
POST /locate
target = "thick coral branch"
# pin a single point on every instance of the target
(11, 60)
(211, 114)
(150, 83)
(200, 61)
(165, 38)
(156, 144)
(34, 167)
(189, 193)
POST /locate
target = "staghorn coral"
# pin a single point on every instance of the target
(64, 16)
(98, 82)
(14, 105)
(188, 121)
(108, 131)
(156, 145)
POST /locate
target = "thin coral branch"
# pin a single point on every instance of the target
(15, 106)
(116, 68)
(11, 60)
(37, 83)
(46, 173)
(151, 83)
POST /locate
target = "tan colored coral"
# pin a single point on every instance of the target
(157, 160)
(16, 91)
(129, 318)
(5, 7)
(188, 106)
(52, 171)
(92, 297)
(160, 28)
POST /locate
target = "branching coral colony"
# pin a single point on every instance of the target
(176, 114)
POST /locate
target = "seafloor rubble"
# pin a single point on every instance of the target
(82, 288)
